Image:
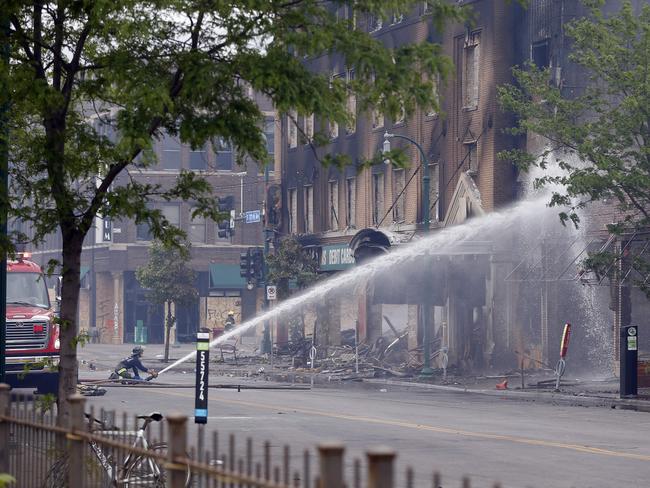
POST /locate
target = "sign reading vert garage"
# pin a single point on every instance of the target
(336, 257)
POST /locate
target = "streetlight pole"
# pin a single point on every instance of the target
(267, 345)
(426, 309)
(4, 181)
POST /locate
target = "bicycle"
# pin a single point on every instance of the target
(134, 470)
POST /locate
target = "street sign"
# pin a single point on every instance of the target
(253, 216)
(107, 233)
(202, 370)
(271, 292)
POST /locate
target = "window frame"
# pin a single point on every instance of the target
(471, 69)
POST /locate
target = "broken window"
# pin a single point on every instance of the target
(351, 197)
(399, 207)
(293, 209)
(377, 119)
(351, 105)
(540, 54)
(308, 128)
(401, 116)
(309, 209)
(378, 198)
(333, 125)
(435, 95)
(333, 202)
(471, 156)
(471, 70)
(374, 23)
(292, 130)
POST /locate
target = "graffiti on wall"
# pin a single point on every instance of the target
(217, 309)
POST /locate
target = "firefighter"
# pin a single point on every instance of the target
(133, 363)
(230, 321)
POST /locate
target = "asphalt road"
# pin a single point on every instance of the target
(488, 439)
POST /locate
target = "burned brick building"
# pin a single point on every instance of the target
(488, 306)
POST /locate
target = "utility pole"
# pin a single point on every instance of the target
(266, 346)
(4, 182)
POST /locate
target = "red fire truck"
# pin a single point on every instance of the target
(32, 335)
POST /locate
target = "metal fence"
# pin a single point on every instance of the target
(101, 449)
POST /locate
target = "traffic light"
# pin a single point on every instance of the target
(258, 264)
(244, 264)
(226, 224)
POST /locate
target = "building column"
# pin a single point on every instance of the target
(118, 308)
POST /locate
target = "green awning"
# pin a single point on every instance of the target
(226, 276)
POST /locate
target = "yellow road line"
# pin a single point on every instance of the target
(427, 428)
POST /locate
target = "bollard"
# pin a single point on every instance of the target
(177, 449)
(5, 411)
(380, 468)
(331, 465)
(75, 443)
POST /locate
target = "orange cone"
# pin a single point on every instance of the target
(503, 385)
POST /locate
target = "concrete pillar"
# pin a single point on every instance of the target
(412, 324)
(118, 308)
(334, 329)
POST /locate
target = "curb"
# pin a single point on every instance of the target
(546, 397)
(529, 396)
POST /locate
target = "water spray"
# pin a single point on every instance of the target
(437, 243)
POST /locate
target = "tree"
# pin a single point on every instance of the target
(601, 137)
(169, 280)
(182, 67)
(290, 262)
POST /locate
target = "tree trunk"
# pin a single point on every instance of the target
(68, 329)
(168, 327)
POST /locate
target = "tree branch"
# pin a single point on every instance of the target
(115, 169)
(59, 21)
(23, 41)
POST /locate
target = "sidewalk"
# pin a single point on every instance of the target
(102, 358)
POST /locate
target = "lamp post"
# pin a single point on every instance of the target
(426, 309)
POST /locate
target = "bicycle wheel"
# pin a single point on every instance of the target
(56, 475)
(146, 471)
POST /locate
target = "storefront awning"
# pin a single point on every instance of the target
(226, 276)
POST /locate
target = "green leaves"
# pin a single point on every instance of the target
(95, 86)
(600, 135)
(291, 263)
(167, 276)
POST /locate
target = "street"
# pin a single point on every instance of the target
(488, 439)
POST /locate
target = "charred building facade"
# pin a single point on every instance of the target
(488, 305)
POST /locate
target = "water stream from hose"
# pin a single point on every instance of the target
(492, 225)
